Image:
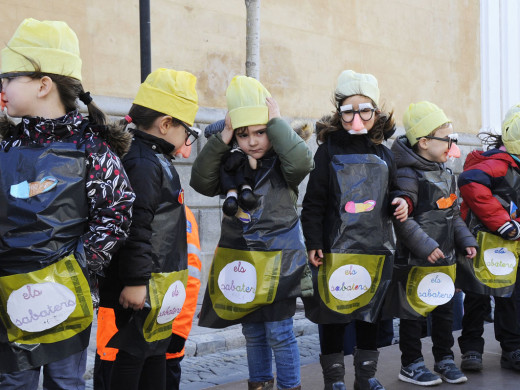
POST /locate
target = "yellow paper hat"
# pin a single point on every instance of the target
(52, 44)
(420, 119)
(351, 83)
(511, 130)
(171, 92)
(246, 102)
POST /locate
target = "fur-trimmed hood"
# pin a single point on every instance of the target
(303, 128)
(116, 136)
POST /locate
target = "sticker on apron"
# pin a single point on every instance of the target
(496, 262)
(348, 281)
(167, 292)
(36, 307)
(429, 287)
(237, 281)
(47, 305)
(242, 281)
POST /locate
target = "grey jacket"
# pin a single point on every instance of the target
(411, 234)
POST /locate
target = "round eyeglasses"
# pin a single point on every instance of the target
(365, 114)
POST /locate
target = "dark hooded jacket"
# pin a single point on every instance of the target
(414, 180)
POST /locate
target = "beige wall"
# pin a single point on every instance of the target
(418, 49)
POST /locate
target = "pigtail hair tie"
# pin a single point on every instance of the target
(128, 118)
(85, 98)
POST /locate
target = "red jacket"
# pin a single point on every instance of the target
(483, 177)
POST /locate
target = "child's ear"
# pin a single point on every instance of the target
(423, 143)
(45, 86)
(165, 123)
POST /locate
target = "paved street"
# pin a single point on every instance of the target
(218, 356)
(231, 366)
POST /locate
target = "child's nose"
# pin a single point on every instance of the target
(454, 151)
(357, 123)
(184, 151)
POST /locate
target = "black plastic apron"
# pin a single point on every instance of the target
(258, 264)
(357, 268)
(419, 287)
(493, 271)
(45, 302)
(148, 331)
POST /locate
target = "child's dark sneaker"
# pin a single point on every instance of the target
(247, 199)
(418, 374)
(230, 206)
(471, 361)
(511, 360)
(448, 371)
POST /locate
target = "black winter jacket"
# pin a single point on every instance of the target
(132, 265)
(317, 199)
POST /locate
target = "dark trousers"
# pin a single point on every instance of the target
(410, 333)
(103, 372)
(507, 328)
(332, 337)
(173, 373)
(135, 373)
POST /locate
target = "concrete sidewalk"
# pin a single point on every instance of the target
(203, 341)
(493, 377)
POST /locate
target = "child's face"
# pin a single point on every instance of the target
(19, 95)
(176, 135)
(254, 141)
(356, 124)
(436, 150)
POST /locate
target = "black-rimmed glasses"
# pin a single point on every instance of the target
(192, 134)
(448, 139)
(365, 114)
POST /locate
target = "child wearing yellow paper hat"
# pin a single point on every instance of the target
(490, 188)
(66, 207)
(260, 261)
(346, 218)
(145, 283)
(426, 262)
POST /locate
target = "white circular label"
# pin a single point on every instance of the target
(237, 281)
(349, 282)
(41, 306)
(172, 302)
(499, 261)
(436, 289)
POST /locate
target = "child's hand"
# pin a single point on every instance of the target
(401, 211)
(272, 106)
(471, 252)
(133, 297)
(315, 257)
(435, 255)
(227, 133)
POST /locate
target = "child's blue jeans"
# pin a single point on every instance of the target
(63, 374)
(278, 336)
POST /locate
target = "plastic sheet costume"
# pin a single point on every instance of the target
(359, 245)
(45, 303)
